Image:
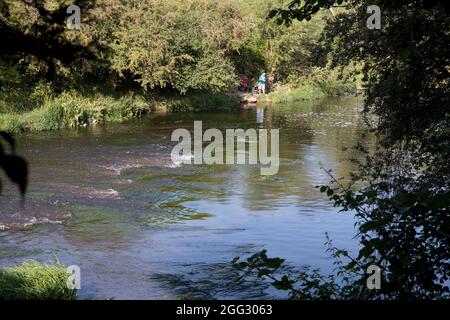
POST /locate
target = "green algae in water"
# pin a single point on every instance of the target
(99, 223)
(176, 217)
(157, 176)
(7, 251)
(173, 211)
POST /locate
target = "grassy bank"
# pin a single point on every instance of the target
(73, 110)
(303, 92)
(35, 281)
(200, 102)
(319, 83)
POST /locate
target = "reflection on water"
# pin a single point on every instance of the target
(109, 199)
(259, 115)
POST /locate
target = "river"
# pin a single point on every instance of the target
(109, 199)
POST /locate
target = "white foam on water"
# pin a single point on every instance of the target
(178, 160)
(104, 194)
(28, 223)
(117, 169)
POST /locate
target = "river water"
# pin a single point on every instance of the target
(109, 199)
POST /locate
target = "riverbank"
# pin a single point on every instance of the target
(303, 93)
(74, 110)
(71, 109)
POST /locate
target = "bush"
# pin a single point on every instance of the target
(10, 123)
(176, 44)
(48, 117)
(201, 102)
(126, 107)
(72, 110)
(331, 81)
(303, 92)
(35, 281)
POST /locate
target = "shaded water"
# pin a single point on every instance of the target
(109, 199)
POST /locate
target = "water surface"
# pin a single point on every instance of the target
(109, 199)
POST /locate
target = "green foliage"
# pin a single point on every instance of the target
(10, 122)
(297, 48)
(302, 10)
(333, 81)
(305, 284)
(38, 40)
(72, 110)
(150, 47)
(180, 45)
(201, 102)
(400, 193)
(401, 211)
(279, 49)
(35, 281)
(18, 90)
(302, 92)
(48, 117)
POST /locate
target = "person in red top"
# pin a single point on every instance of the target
(244, 83)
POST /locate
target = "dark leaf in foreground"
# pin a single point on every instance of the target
(16, 169)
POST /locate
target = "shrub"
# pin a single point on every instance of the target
(48, 117)
(72, 109)
(303, 92)
(202, 101)
(10, 123)
(331, 81)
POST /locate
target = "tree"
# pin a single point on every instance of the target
(401, 192)
(176, 45)
(38, 29)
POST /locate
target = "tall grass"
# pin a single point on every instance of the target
(200, 101)
(72, 110)
(35, 281)
(335, 81)
(320, 82)
(303, 92)
(332, 81)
